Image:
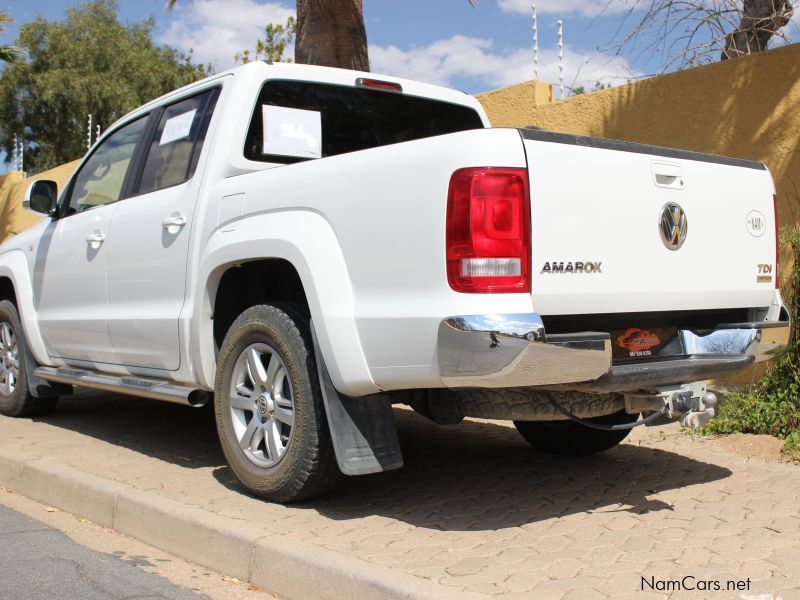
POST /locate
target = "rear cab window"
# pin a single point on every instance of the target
(347, 119)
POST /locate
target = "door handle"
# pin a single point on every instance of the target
(95, 239)
(173, 222)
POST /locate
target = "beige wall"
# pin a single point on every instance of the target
(747, 108)
(14, 218)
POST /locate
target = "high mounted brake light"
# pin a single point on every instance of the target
(488, 231)
(377, 84)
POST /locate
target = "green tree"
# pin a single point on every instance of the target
(598, 85)
(272, 47)
(7, 53)
(89, 63)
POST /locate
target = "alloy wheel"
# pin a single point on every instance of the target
(9, 359)
(262, 404)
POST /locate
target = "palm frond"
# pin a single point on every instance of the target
(9, 54)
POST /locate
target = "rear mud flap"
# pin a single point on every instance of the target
(362, 429)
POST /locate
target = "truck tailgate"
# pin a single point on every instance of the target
(619, 227)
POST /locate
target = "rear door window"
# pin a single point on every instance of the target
(177, 142)
(354, 118)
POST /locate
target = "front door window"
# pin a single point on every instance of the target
(100, 180)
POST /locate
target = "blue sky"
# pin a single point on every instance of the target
(439, 41)
(446, 42)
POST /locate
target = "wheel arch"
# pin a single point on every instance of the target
(243, 285)
(7, 290)
(300, 249)
(15, 286)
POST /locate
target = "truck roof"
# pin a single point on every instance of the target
(319, 74)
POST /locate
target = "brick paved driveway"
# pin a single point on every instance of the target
(475, 507)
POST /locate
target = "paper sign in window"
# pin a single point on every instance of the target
(292, 132)
(177, 128)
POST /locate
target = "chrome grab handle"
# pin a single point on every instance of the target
(174, 220)
(96, 238)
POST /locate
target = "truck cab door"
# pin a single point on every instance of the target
(70, 275)
(149, 241)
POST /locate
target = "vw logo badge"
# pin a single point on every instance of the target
(262, 405)
(673, 225)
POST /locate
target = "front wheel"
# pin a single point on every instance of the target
(15, 397)
(567, 438)
(269, 410)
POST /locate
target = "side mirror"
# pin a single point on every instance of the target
(41, 197)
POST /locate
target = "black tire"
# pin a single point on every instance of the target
(307, 466)
(17, 402)
(567, 438)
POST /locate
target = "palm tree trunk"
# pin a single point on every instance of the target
(331, 33)
(761, 19)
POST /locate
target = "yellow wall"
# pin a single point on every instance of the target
(14, 218)
(518, 99)
(747, 108)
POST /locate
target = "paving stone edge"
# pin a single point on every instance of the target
(280, 565)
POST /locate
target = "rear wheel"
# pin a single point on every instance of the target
(567, 438)
(269, 410)
(15, 397)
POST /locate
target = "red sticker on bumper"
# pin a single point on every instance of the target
(638, 341)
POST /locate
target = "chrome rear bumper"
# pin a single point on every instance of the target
(494, 351)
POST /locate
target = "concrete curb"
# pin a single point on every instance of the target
(287, 567)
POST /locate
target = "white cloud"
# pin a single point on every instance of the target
(217, 29)
(585, 8)
(460, 57)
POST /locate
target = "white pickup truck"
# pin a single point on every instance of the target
(307, 246)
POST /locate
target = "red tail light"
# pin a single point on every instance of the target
(777, 242)
(488, 231)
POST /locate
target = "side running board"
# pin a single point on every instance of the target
(154, 389)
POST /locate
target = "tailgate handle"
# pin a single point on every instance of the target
(667, 175)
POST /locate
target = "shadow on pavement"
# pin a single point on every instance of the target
(173, 433)
(482, 476)
(470, 477)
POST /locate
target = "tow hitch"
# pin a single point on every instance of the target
(692, 404)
